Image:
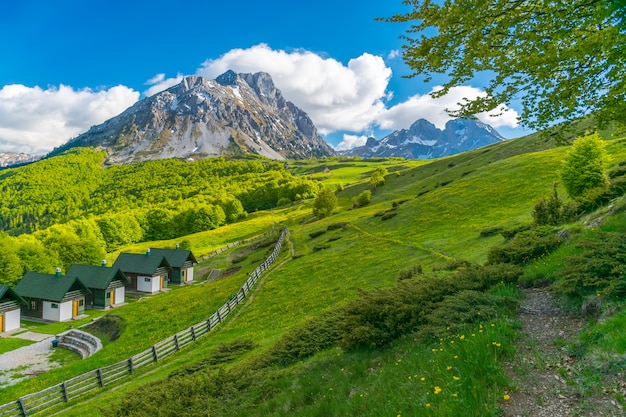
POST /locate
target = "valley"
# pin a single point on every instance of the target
(340, 324)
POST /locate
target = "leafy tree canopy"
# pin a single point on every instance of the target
(563, 58)
(324, 203)
(584, 167)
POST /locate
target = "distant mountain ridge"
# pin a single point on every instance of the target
(233, 114)
(423, 140)
(8, 159)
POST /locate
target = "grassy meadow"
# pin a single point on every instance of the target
(430, 214)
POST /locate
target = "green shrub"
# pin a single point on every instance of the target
(335, 226)
(525, 246)
(553, 212)
(364, 198)
(315, 335)
(456, 311)
(409, 273)
(313, 235)
(378, 317)
(224, 353)
(491, 231)
(513, 231)
(597, 270)
(388, 215)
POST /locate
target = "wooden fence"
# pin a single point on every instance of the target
(86, 383)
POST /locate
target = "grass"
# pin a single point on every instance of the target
(8, 344)
(445, 205)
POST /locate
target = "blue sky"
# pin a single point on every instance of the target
(68, 64)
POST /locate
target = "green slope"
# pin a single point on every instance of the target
(440, 209)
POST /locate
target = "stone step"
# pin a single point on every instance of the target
(80, 342)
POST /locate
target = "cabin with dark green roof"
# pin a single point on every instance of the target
(52, 297)
(144, 272)
(10, 311)
(181, 263)
(107, 285)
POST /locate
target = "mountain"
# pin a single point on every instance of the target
(423, 140)
(8, 159)
(233, 114)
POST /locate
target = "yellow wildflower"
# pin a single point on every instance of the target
(437, 390)
(506, 397)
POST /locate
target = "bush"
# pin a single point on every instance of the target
(303, 341)
(525, 247)
(409, 273)
(335, 226)
(313, 235)
(378, 317)
(553, 212)
(584, 166)
(364, 198)
(512, 232)
(388, 215)
(491, 231)
(597, 270)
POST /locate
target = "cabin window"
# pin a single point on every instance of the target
(81, 302)
(108, 295)
(147, 279)
(33, 305)
(54, 305)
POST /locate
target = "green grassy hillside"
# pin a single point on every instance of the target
(330, 330)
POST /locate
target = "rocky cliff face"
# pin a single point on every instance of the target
(425, 141)
(233, 114)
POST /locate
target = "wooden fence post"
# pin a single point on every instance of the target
(193, 334)
(208, 323)
(66, 395)
(176, 342)
(130, 365)
(22, 407)
(154, 354)
(219, 317)
(100, 379)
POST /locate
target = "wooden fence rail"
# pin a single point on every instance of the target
(86, 383)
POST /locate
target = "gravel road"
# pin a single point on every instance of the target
(26, 361)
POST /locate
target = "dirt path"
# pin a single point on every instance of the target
(26, 361)
(542, 371)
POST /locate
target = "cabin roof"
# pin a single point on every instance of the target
(98, 277)
(47, 286)
(175, 257)
(140, 263)
(8, 293)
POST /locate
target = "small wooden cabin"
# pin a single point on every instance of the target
(144, 272)
(10, 311)
(181, 263)
(52, 297)
(107, 285)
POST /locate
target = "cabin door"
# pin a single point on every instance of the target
(112, 297)
(1, 323)
(74, 308)
(162, 279)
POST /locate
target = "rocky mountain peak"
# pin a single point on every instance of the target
(423, 140)
(233, 114)
(227, 78)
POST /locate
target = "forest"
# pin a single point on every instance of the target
(73, 208)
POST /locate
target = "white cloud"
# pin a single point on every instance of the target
(338, 97)
(35, 120)
(351, 141)
(394, 54)
(402, 115)
(335, 96)
(160, 83)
